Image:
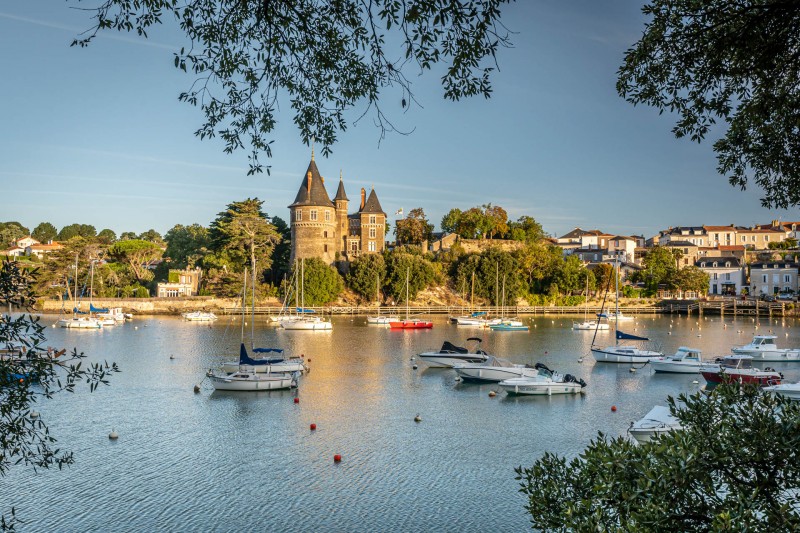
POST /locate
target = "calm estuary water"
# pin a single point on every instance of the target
(218, 461)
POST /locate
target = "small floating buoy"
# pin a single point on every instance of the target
(135, 327)
(631, 369)
(417, 418)
(171, 356)
(297, 400)
(669, 333)
(695, 382)
(580, 359)
(113, 435)
(614, 408)
(312, 427)
(309, 359)
(545, 353)
(34, 414)
(209, 373)
(196, 388)
(492, 394)
(414, 367)
(337, 458)
(53, 326)
(458, 379)
(699, 335)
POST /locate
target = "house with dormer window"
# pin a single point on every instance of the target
(726, 275)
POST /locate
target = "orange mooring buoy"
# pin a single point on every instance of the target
(614, 408)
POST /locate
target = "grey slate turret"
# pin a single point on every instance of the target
(372, 205)
(312, 189)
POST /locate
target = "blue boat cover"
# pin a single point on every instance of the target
(302, 310)
(627, 336)
(268, 350)
(245, 359)
(78, 311)
(478, 313)
(94, 309)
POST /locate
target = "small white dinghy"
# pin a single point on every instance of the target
(657, 422)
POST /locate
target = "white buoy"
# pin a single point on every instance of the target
(580, 359)
(413, 358)
(414, 367)
(113, 435)
(417, 418)
(631, 369)
(135, 327)
(695, 382)
(34, 414)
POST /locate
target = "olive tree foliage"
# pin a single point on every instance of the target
(26, 440)
(324, 58)
(735, 466)
(186, 245)
(730, 62)
(10, 232)
(135, 254)
(367, 275)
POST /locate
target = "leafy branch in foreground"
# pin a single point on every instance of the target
(736, 62)
(733, 467)
(29, 371)
(322, 57)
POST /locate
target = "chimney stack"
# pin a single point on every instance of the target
(363, 198)
(308, 183)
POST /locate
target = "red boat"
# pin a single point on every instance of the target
(410, 324)
(740, 368)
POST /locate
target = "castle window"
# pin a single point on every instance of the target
(326, 248)
(313, 214)
(298, 215)
(327, 216)
(372, 219)
(371, 246)
(371, 233)
(354, 246)
(325, 234)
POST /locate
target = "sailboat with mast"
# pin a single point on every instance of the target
(304, 322)
(78, 322)
(620, 353)
(507, 324)
(379, 320)
(589, 324)
(410, 323)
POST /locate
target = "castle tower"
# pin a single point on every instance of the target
(341, 202)
(373, 223)
(313, 219)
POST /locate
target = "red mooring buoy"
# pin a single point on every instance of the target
(313, 427)
(297, 400)
(614, 408)
(337, 458)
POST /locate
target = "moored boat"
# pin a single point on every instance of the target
(276, 363)
(684, 361)
(450, 354)
(739, 368)
(657, 422)
(509, 325)
(199, 316)
(308, 323)
(545, 383)
(492, 370)
(763, 348)
(789, 390)
(245, 381)
(591, 325)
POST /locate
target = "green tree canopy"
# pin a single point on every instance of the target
(539, 262)
(324, 58)
(44, 232)
(282, 254)
(152, 236)
(571, 277)
(367, 275)
(10, 232)
(690, 278)
(492, 268)
(450, 221)
(402, 262)
(136, 254)
(76, 230)
(730, 62)
(127, 236)
(659, 268)
(107, 236)
(321, 283)
(526, 229)
(243, 233)
(733, 467)
(413, 229)
(186, 245)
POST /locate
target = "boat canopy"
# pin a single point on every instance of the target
(94, 309)
(304, 310)
(78, 311)
(245, 359)
(268, 350)
(478, 313)
(622, 336)
(452, 348)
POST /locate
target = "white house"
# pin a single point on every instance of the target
(726, 275)
(622, 247)
(772, 277)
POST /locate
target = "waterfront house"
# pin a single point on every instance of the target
(180, 283)
(726, 275)
(622, 247)
(688, 251)
(40, 250)
(720, 235)
(772, 277)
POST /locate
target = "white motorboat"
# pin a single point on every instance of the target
(308, 323)
(494, 369)
(657, 422)
(449, 355)
(763, 348)
(740, 369)
(789, 390)
(380, 320)
(545, 383)
(114, 313)
(684, 361)
(277, 363)
(591, 325)
(79, 322)
(199, 316)
(615, 316)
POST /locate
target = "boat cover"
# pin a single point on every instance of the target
(304, 310)
(627, 336)
(78, 311)
(245, 359)
(268, 350)
(449, 347)
(94, 309)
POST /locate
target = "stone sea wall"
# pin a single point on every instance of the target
(150, 306)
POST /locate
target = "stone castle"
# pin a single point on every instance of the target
(322, 228)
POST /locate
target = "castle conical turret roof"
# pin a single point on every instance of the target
(316, 194)
(340, 195)
(372, 205)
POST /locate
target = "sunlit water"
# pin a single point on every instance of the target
(248, 461)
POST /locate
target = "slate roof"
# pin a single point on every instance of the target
(708, 262)
(577, 232)
(372, 205)
(317, 196)
(340, 194)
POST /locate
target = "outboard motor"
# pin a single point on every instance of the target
(542, 366)
(569, 378)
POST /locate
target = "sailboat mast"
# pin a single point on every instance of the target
(74, 303)
(407, 273)
(616, 308)
(244, 299)
(253, 312)
(91, 285)
(303, 285)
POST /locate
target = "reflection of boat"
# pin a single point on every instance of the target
(763, 348)
(739, 368)
(493, 369)
(199, 316)
(546, 382)
(684, 361)
(413, 323)
(657, 422)
(789, 390)
(449, 355)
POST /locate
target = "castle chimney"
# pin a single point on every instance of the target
(308, 184)
(363, 198)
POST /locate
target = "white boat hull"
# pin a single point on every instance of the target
(657, 422)
(285, 366)
(628, 355)
(590, 326)
(199, 316)
(676, 367)
(477, 372)
(307, 325)
(254, 382)
(379, 320)
(444, 360)
(769, 355)
(789, 390)
(79, 323)
(644, 435)
(544, 388)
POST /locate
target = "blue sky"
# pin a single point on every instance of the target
(97, 135)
